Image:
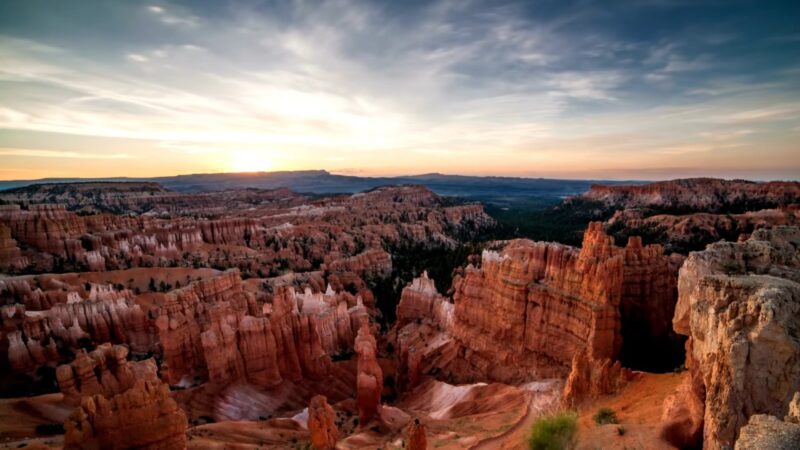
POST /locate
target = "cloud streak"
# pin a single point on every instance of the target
(520, 88)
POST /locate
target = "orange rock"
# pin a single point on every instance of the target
(143, 417)
(416, 436)
(590, 379)
(370, 377)
(321, 424)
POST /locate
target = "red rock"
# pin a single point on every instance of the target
(370, 377)
(589, 379)
(321, 424)
(11, 258)
(143, 416)
(416, 436)
(528, 309)
(105, 371)
(698, 194)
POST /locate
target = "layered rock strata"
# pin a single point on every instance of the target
(370, 377)
(143, 417)
(739, 303)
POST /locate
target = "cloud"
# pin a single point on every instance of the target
(446, 79)
(137, 57)
(36, 153)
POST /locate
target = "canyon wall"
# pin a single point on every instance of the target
(739, 303)
(529, 308)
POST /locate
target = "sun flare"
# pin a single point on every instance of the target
(250, 161)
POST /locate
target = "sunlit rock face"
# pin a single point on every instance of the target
(529, 308)
(590, 379)
(740, 305)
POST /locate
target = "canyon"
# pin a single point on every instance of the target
(139, 317)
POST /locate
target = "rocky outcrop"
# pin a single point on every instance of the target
(322, 424)
(370, 377)
(11, 258)
(528, 309)
(682, 411)
(420, 300)
(39, 338)
(740, 305)
(416, 436)
(688, 232)
(104, 371)
(590, 379)
(697, 194)
(184, 314)
(768, 432)
(371, 263)
(143, 416)
(260, 232)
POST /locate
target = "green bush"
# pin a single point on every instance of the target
(556, 432)
(604, 416)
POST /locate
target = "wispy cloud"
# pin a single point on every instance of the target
(444, 80)
(35, 153)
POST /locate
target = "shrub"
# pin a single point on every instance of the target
(604, 416)
(556, 432)
(621, 431)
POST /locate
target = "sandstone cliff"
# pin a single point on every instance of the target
(740, 305)
(142, 417)
(698, 194)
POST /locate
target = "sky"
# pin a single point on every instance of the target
(650, 89)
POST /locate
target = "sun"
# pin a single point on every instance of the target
(249, 161)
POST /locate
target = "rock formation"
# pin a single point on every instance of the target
(740, 305)
(529, 308)
(768, 432)
(590, 379)
(688, 232)
(370, 377)
(143, 417)
(321, 424)
(416, 436)
(104, 371)
(697, 194)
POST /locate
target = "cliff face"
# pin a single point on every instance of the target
(370, 377)
(38, 338)
(649, 294)
(104, 371)
(208, 327)
(143, 416)
(119, 403)
(698, 194)
(256, 231)
(740, 305)
(529, 308)
(683, 233)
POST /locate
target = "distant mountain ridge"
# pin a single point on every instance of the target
(490, 188)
